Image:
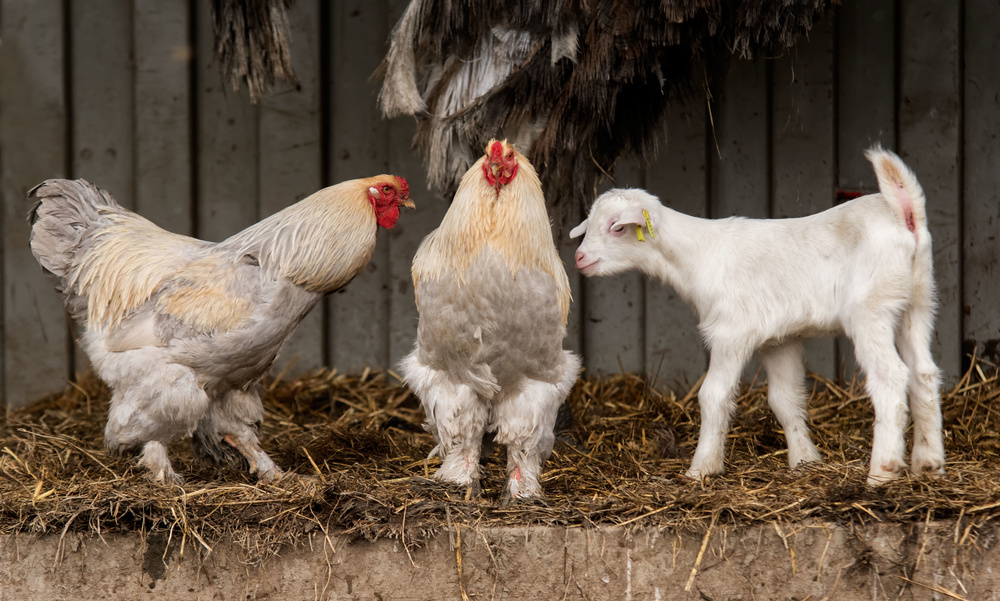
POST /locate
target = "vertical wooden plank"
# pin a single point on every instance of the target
(740, 154)
(34, 124)
(929, 142)
(866, 104)
(359, 316)
(290, 160)
(982, 180)
(406, 237)
(101, 45)
(614, 307)
(866, 88)
(163, 161)
(567, 251)
(675, 353)
(227, 144)
(802, 144)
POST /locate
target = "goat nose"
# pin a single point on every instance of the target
(580, 256)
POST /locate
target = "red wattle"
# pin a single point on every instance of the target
(388, 217)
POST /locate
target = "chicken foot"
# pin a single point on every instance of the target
(461, 466)
(259, 461)
(154, 458)
(523, 472)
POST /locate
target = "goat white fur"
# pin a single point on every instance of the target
(863, 268)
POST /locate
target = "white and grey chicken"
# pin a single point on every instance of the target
(493, 298)
(182, 330)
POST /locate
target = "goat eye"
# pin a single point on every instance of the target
(618, 228)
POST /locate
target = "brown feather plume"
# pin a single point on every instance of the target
(252, 43)
(575, 82)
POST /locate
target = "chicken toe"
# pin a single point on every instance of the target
(154, 458)
(258, 461)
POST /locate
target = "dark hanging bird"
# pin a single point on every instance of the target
(252, 43)
(574, 83)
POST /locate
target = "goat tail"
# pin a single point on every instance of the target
(65, 214)
(899, 185)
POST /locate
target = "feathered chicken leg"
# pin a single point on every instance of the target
(154, 458)
(525, 424)
(457, 418)
(459, 422)
(230, 425)
(259, 462)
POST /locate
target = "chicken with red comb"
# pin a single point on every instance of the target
(493, 297)
(181, 329)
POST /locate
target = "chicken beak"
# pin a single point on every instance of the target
(497, 169)
(408, 204)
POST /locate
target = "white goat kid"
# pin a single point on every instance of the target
(863, 268)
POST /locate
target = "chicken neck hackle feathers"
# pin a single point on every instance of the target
(511, 220)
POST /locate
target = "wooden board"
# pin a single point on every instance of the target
(674, 349)
(866, 104)
(226, 154)
(567, 252)
(406, 237)
(291, 160)
(33, 125)
(866, 88)
(614, 307)
(101, 80)
(359, 316)
(981, 192)
(802, 145)
(163, 120)
(929, 119)
(740, 141)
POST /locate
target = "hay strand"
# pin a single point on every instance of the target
(356, 455)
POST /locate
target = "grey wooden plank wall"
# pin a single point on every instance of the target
(127, 94)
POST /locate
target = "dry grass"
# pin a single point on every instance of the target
(355, 452)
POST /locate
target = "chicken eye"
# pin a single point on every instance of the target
(510, 155)
(386, 189)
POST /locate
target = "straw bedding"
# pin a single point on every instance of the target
(355, 452)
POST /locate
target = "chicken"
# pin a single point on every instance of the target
(493, 297)
(182, 330)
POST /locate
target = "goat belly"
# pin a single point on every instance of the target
(492, 324)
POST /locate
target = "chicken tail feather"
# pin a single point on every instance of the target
(64, 215)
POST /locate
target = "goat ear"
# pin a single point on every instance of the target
(639, 217)
(631, 216)
(580, 229)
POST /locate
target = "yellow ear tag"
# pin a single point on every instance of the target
(649, 225)
(638, 233)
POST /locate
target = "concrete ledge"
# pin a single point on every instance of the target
(792, 561)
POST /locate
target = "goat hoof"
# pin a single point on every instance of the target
(935, 469)
(883, 475)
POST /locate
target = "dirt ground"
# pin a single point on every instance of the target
(794, 561)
